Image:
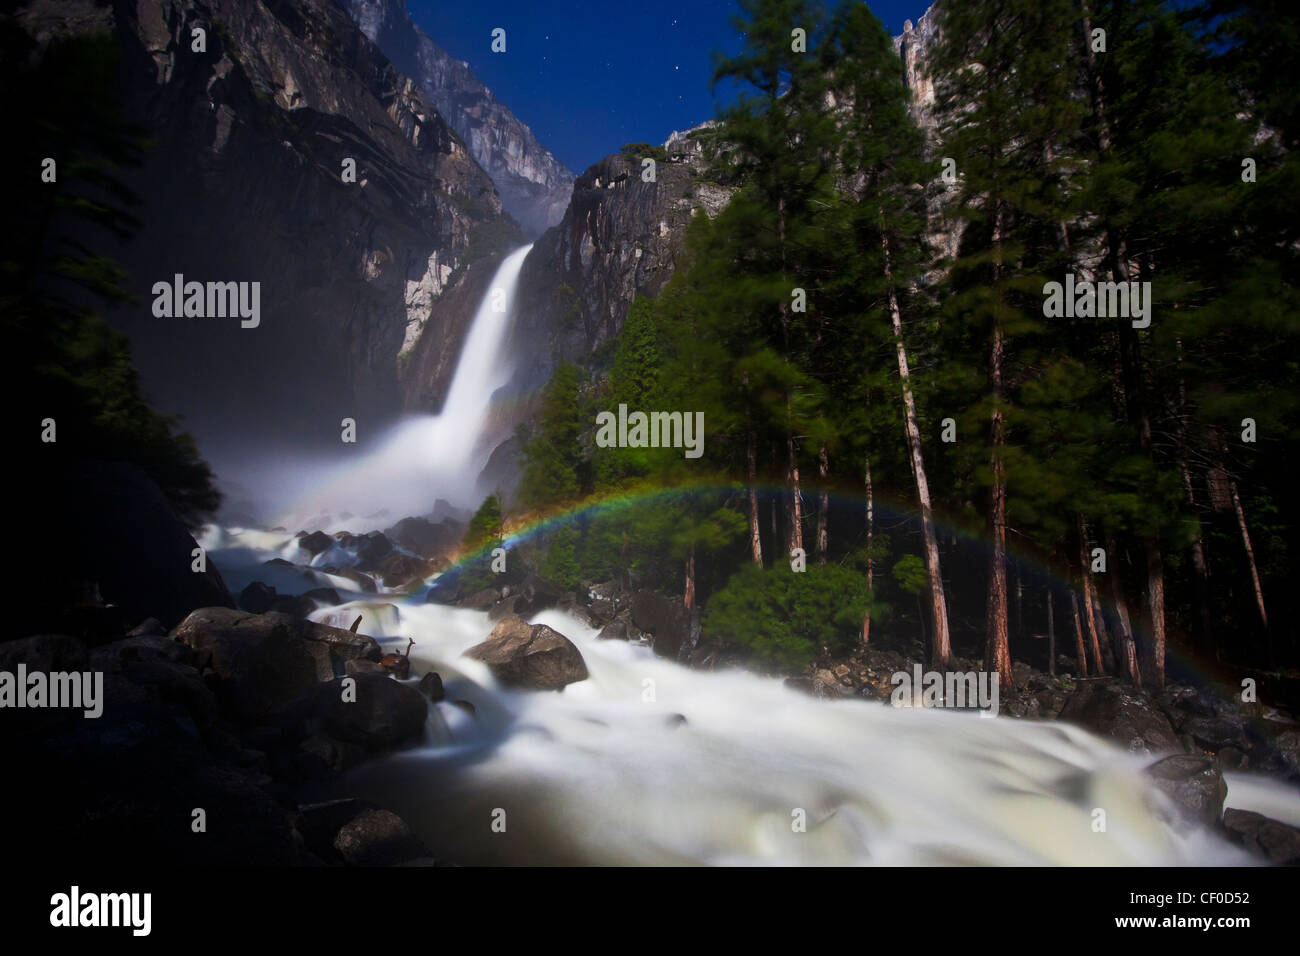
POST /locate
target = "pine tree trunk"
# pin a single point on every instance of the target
(1199, 563)
(1128, 662)
(1156, 611)
(689, 597)
(1081, 655)
(823, 470)
(941, 650)
(1250, 552)
(792, 480)
(997, 654)
(1085, 576)
(871, 530)
(1051, 635)
(751, 462)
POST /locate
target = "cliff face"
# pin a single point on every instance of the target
(913, 46)
(244, 183)
(533, 184)
(620, 237)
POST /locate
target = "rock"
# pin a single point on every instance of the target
(268, 662)
(325, 596)
(299, 606)
(149, 626)
(257, 598)
(423, 537)
(364, 582)
(1215, 733)
(666, 619)
(372, 550)
(1274, 841)
(531, 656)
(44, 652)
(1122, 713)
(605, 600)
(615, 631)
(377, 838)
(107, 524)
(1195, 785)
(335, 756)
(1287, 745)
(398, 569)
(385, 713)
(431, 686)
(481, 600)
(363, 666)
(315, 543)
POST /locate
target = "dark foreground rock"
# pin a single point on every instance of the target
(1275, 842)
(1124, 714)
(378, 712)
(268, 663)
(665, 619)
(377, 838)
(1194, 783)
(531, 656)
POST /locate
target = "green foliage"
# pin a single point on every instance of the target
(486, 525)
(639, 151)
(551, 457)
(786, 619)
(559, 563)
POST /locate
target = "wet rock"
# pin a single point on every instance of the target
(364, 582)
(44, 652)
(399, 569)
(1194, 783)
(1215, 733)
(431, 686)
(377, 838)
(1122, 713)
(149, 626)
(605, 600)
(299, 606)
(324, 596)
(257, 598)
(315, 543)
(665, 618)
(423, 537)
(531, 656)
(335, 756)
(481, 600)
(385, 713)
(362, 666)
(1274, 841)
(372, 550)
(268, 662)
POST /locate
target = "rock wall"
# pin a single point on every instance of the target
(244, 183)
(533, 184)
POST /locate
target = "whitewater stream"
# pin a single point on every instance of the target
(648, 762)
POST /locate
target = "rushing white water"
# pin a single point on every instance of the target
(607, 772)
(430, 456)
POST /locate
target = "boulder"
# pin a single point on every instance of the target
(364, 582)
(1195, 785)
(325, 596)
(1274, 841)
(299, 605)
(109, 523)
(481, 600)
(431, 686)
(44, 652)
(377, 838)
(530, 656)
(423, 537)
(1122, 713)
(385, 713)
(268, 662)
(372, 550)
(257, 598)
(397, 569)
(315, 543)
(665, 618)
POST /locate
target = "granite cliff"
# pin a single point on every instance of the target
(533, 184)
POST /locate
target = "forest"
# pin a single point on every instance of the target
(903, 436)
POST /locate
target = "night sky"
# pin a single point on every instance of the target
(588, 77)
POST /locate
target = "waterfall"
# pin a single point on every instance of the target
(430, 456)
